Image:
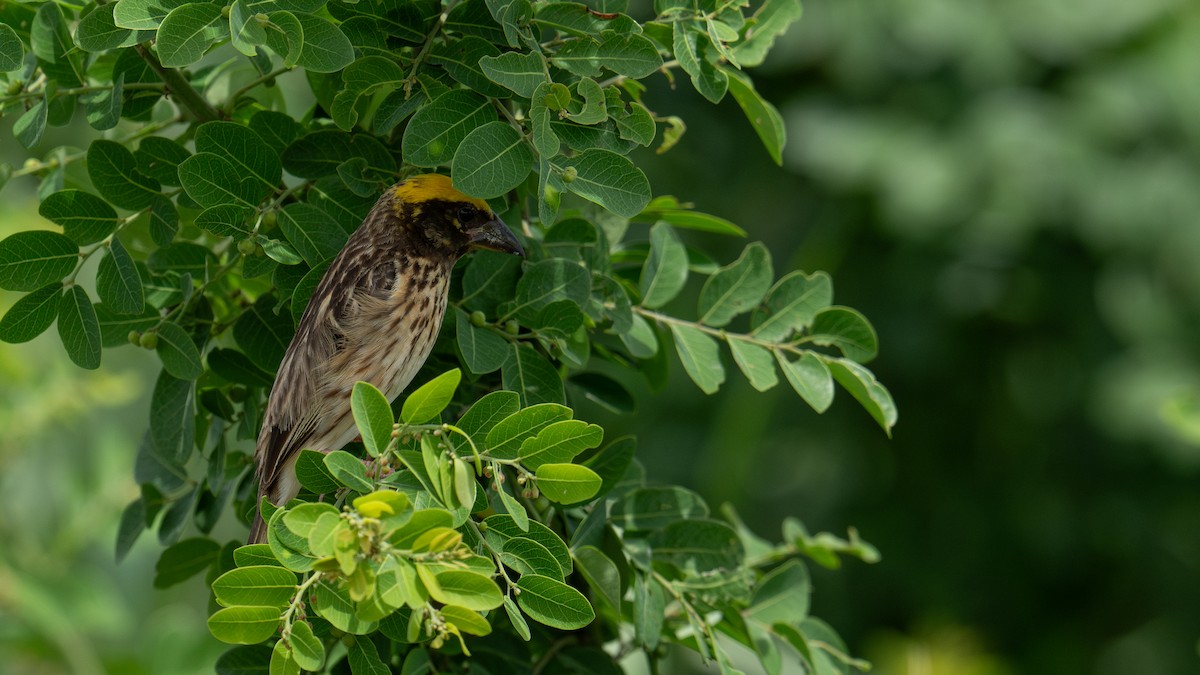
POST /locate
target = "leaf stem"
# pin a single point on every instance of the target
(252, 84)
(421, 55)
(792, 347)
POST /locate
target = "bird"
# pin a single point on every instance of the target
(374, 317)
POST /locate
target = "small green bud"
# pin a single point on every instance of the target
(149, 340)
(511, 327)
(32, 164)
(135, 337)
(246, 247)
(477, 318)
(589, 321)
(570, 174)
(269, 219)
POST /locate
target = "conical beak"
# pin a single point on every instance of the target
(494, 235)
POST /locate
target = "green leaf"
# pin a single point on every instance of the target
(212, 180)
(254, 554)
(244, 625)
(466, 589)
(578, 56)
(182, 560)
(187, 32)
(669, 209)
(697, 546)
(666, 269)
(846, 329)
(593, 109)
(862, 385)
(84, 217)
(559, 442)
(428, 401)
(251, 156)
(768, 22)
(316, 236)
(649, 607)
(373, 416)
(601, 574)
(326, 47)
(518, 622)
(700, 357)
(143, 14)
(164, 221)
(31, 259)
(737, 287)
(348, 470)
(307, 649)
(531, 375)
(763, 116)
(118, 283)
(503, 528)
(506, 436)
(638, 126)
(264, 335)
(103, 108)
(79, 329)
(545, 141)
(285, 36)
(632, 55)
(483, 350)
(30, 316)
(364, 659)
(363, 78)
(513, 16)
(640, 339)
(810, 377)
(652, 508)
(259, 585)
(610, 180)
(244, 29)
(791, 305)
(465, 620)
(50, 40)
(114, 172)
(312, 472)
(177, 352)
(233, 366)
(521, 72)
(282, 661)
(31, 124)
(529, 557)
(159, 158)
(226, 220)
(485, 413)
(567, 483)
(433, 135)
(755, 362)
(461, 59)
(12, 52)
(114, 328)
(172, 417)
(491, 160)
(782, 595)
(689, 44)
(549, 281)
(553, 603)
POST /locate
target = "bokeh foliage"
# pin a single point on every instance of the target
(212, 207)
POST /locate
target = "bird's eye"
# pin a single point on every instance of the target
(466, 213)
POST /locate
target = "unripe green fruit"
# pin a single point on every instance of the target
(149, 340)
(246, 247)
(269, 219)
(511, 327)
(477, 318)
(570, 174)
(135, 337)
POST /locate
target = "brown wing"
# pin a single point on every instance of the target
(360, 271)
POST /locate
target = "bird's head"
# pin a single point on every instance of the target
(444, 220)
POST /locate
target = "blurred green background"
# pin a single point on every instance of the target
(1009, 190)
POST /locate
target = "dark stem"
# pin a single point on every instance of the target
(180, 88)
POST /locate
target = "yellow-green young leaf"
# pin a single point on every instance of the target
(846, 329)
(334, 605)
(324, 535)
(395, 583)
(79, 329)
(763, 116)
(610, 180)
(373, 415)
(755, 362)
(288, 547)
(737, 287)
(254, 554)
(666, 269)
(437, 540)
(491, 160)
(700, 357)
(465, 620)
(260, 585)
(553, 603)
(382, 504)
(560, 442)
(767, 23)
(32, 259)
(436, 130)
(187, 32)
(301, 519)
(348, 470)
(791, 305)
(30, 316)
(506, 436)
(431, 398)
(467, 589)
(421, 522)
(514, 508)
(863, 386)
(810, 377)
(283, 661)
(307, 649)
(244, 625)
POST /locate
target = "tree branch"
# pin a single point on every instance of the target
(178, 86)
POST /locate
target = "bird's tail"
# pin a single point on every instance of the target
(258, 530)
